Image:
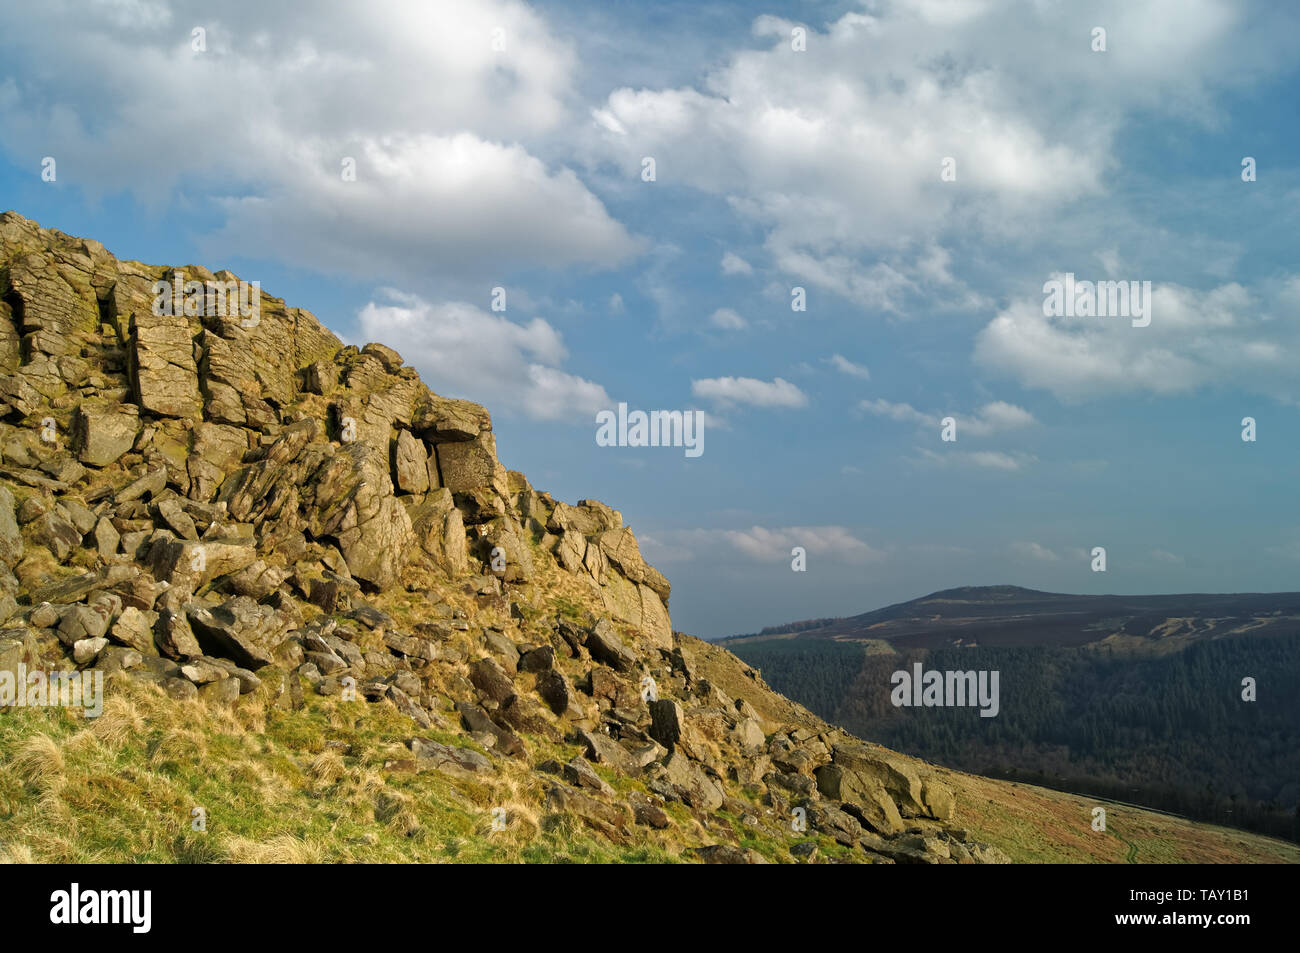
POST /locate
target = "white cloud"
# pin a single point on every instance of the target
(774, 545)
(997, 460)
(835, 152)
(994, 417)
(1036, 551)
(982, 459)
(1226, 335)
(904, 413)
(440, 126)
(845, 366)
(1110, 262)
(733, 264)
(727, 319)
(461, 350)
(761, 544)
(748, 390)
(454, 204)
(616, 303)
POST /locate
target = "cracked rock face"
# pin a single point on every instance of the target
(218, 507)
(216, 451)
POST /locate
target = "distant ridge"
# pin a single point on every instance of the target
(1007, 614)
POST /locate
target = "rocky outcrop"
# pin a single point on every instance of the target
(219, 504)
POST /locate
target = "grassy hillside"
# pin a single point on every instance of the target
(332, 782)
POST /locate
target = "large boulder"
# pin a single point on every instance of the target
(889, 770)
(940, 802)
(354, 503)
(555, 689)
(691, 784)
(637, 605)
(240, 630)
(134, 629)
(221, 445)
(467, 464)
(506, 554)
(56, 534)
(864, 797)
(447, 759)
(163, 369)
(55, 299)
(667, 722)
(174, 636)
(410, 464)
(489, 678)
(619, 546)
(82, 622)
(605, 646)
(440, 532)
(101, 437)
(190, 563)
(447, 419)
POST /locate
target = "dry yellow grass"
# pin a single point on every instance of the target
(311, 786)
(282, 849)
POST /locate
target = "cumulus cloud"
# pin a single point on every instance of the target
(454, 204)
(265, 116)
(1226, 335)
(748, 390)
(836, 152)
(463, 351)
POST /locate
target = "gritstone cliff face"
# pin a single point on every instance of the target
(231, 507)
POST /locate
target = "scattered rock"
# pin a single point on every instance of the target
(85, 651)
(457, 762)
(727, 854)
(134, 629)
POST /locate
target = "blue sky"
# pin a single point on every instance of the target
(775, 168)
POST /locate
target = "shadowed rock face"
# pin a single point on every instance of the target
(219, 505)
